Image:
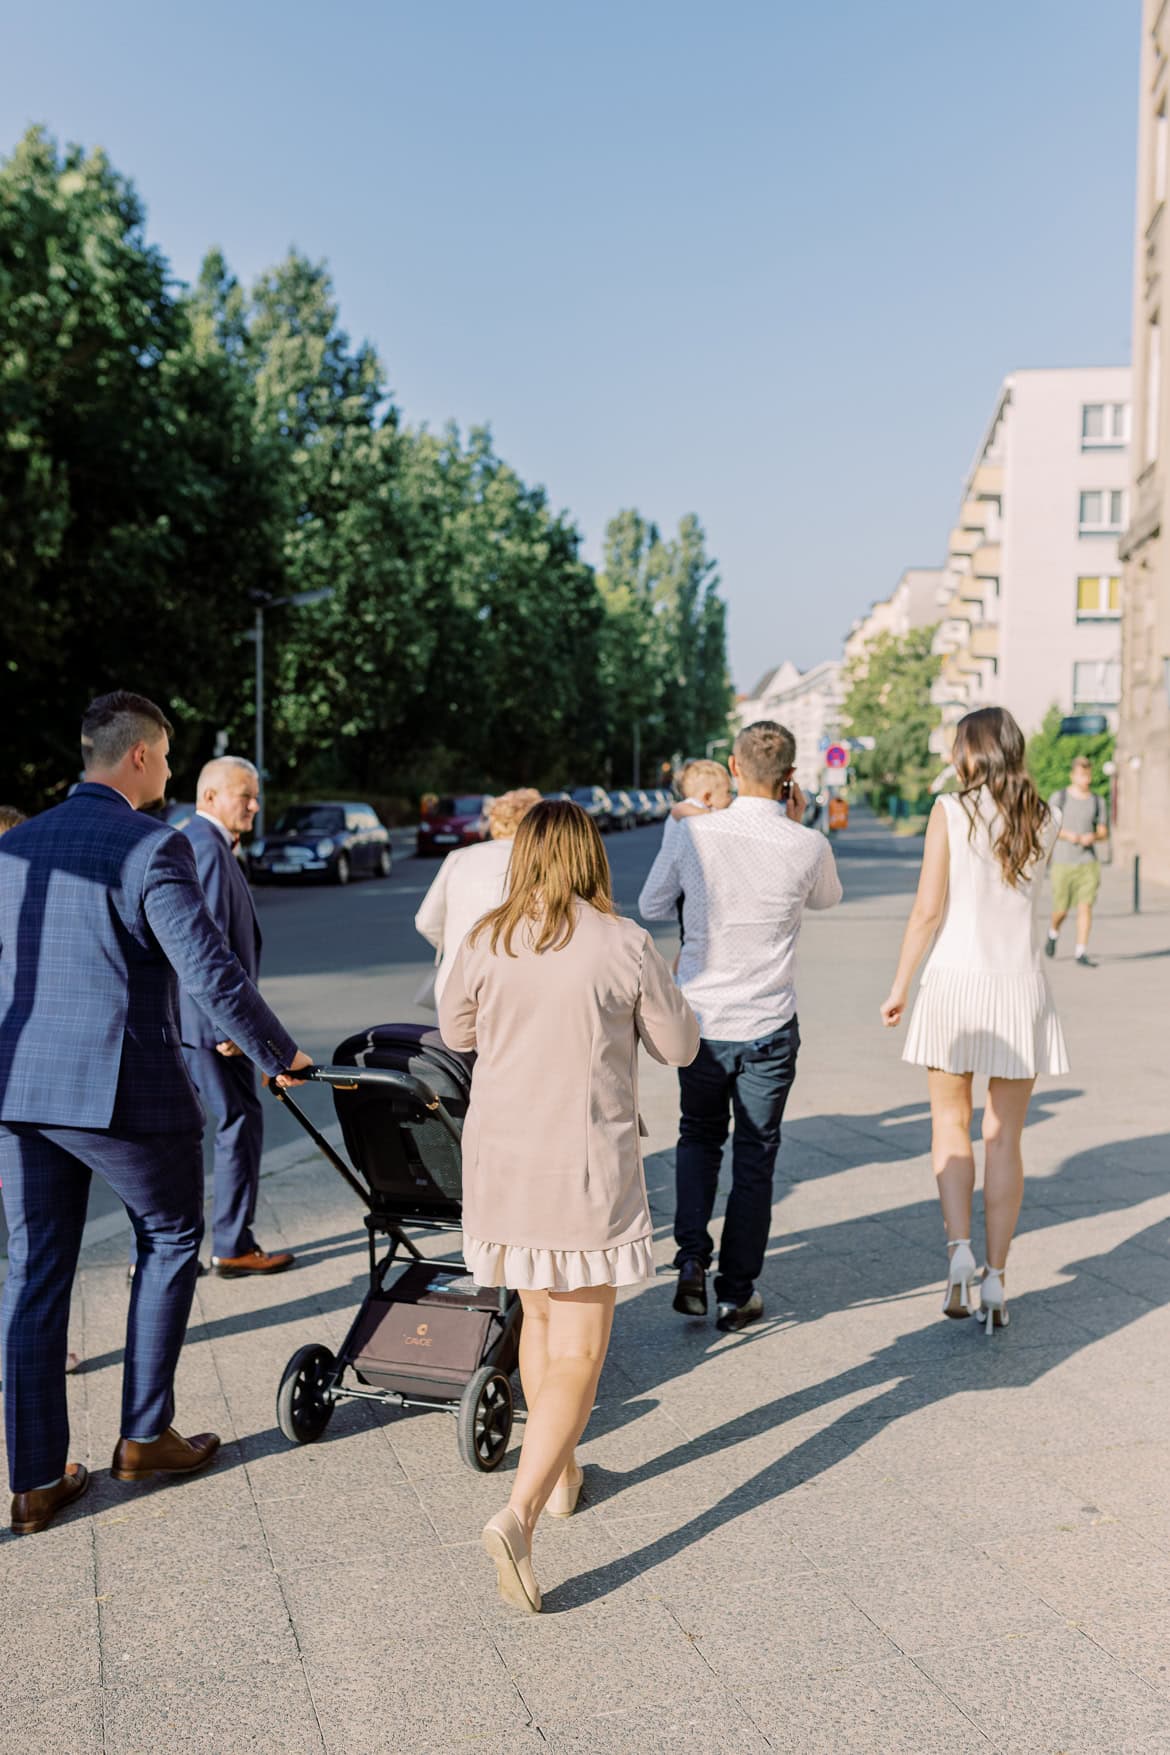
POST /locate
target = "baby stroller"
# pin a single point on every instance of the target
(429, 1337)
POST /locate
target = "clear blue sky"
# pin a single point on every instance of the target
(766, 262)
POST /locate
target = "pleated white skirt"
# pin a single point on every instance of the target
(1003, 1026)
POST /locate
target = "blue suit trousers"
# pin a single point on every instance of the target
(227, 1085)
(46, 1174)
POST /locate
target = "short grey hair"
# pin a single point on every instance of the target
(215, 771)
(766, 753)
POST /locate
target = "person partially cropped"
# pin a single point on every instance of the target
(471, 881)
(983, 1006)
(554, 991)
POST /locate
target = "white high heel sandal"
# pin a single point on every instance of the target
(993, 1311)
(960, 1278)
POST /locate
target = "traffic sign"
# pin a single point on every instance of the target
(836, 756)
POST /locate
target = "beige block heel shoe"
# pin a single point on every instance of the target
(503, 1540)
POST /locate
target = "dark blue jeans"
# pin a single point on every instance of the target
(750, 1080)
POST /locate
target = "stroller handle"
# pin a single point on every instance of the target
(349, 1078)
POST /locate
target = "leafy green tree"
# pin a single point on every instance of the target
(124, 463)
(1050, 756)
(888, 698)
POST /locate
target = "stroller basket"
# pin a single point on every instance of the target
(429, 1337)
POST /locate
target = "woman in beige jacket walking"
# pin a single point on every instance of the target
(554, 991)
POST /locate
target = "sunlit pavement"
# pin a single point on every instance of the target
(854, 1527)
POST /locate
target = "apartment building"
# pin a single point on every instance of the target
(807, 702)
(913, 603)
(1143, 743)
(1029, 603)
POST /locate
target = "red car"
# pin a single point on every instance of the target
(459, 820)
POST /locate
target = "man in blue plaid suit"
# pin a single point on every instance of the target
(101, 915)
(227, 798)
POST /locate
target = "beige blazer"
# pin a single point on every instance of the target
(551, 1150)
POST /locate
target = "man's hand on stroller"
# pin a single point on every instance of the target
(286, 1079)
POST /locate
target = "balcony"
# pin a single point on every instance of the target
(986, 561)
(987, 481)
(975, 514)
(985, 641)
(963, 542)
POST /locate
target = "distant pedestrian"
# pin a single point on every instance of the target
(746, 876)
(470, 882)
(554, 991)
(1076, 870)
(227, 798)
(100, 908)
(984, 1005)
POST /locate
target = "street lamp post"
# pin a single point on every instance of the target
(297, 600)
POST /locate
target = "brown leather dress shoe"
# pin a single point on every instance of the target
(257, 1261)
(172, 1454)
(35, 1511)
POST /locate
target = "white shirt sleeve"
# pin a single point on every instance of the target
(432, 913)
(826, 889)
(662, 888)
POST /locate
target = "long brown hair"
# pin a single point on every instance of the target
(989, 752)
(557, 859)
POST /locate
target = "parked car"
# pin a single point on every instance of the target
(457, 820)
(644, 807)
(597, 803)
(330, 841)
(664, 801)
(624, 814)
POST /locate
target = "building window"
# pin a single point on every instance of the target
(1102, 512)
(1104, 426)
(1097, 683)
(1098, 597)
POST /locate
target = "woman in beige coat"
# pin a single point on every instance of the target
(554, 991)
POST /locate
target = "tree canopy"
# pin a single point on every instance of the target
(888, 698)
(171, 457)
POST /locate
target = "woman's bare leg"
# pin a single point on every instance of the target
(534, 1354)
(951, 1152)
(573, 1345)
(1003, 1173)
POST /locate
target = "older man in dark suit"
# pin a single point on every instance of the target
(101, 914)
(227, 799)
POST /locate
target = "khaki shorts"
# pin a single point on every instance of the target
(1074, 885)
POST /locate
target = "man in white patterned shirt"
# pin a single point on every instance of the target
(745, 876)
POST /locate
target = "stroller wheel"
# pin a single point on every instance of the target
(303, 1405)
(485, 1419)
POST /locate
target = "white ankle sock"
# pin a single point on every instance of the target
(1054, 932)
(1081, 950)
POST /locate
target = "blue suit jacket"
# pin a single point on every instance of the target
(229, 902)
(101, 915)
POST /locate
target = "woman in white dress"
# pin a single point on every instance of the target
(983, 1005)
(469, 883)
